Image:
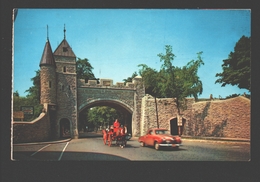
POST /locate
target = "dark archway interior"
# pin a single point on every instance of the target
(127, 113)
(64, 128)
(174, 127)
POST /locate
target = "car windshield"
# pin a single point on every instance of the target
(160, 132)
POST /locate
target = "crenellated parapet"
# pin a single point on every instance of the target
(106, 83)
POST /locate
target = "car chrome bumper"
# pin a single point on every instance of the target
(169, 145)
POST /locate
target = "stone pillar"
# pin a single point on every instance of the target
(139, 94)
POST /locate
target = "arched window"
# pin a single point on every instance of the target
(49, 84)
(64, 69)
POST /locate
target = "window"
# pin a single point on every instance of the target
(64, 69)
(65, 49)
(49, 84)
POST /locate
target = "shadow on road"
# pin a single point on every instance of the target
(166, 148)
(127, 145)
(68, 156)
(90, 135)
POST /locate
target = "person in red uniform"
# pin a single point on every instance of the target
(116, 124)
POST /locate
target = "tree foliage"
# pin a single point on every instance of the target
(236, 69)
(171, 81)
(19, 101)
(99, 116)
(150, 79)
(34, 91)
(180, 82)
(129, 79)
(84, 69)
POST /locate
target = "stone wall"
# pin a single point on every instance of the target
(127, 96)
(138, 95)
(36, 130)
(48, 84)
(66, 94)
(167, 111)
(221, 118)
(88, 95)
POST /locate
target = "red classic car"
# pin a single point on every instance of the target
(159, 137)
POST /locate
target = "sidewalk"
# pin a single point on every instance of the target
(209, 138)
(217, 139)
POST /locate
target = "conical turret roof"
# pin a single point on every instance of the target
(47, 55)
(64, 49)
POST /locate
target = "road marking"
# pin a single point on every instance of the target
(40, 150)
(63, 151)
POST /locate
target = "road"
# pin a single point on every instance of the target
(93, 149)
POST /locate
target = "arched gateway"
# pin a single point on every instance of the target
(68, 97)
(64, 98)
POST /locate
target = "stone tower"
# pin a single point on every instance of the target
(48, 76)
(65, 61)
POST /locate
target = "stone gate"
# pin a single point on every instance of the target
(126, 98)
(64, 97)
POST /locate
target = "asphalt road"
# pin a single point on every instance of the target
(92, 148)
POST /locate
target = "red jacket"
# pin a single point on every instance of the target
(116, 124)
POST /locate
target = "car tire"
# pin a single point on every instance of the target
(156, 146)
(142, 144)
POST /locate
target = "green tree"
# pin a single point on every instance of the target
(180, 82)
(129, 79)
(102, 116)
(33, 97)
(236, 69)
(173, 82)
(84, 69)
(16, 94)
(34, 91)
(19, 101)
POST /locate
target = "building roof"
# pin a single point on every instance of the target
(47, 55)
(64, 49)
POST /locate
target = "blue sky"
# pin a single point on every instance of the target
(115, 41)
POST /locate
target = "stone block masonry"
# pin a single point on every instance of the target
(223, 118)
(35, 131)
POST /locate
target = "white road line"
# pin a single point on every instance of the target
(40, 149)
(63, 151)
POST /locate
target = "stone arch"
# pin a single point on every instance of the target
(97, 102)
(116, 104)
(174, 126)
(65, 128)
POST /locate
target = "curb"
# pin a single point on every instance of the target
(210, 138)
(217, 139)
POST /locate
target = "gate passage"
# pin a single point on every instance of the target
(115, 133)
